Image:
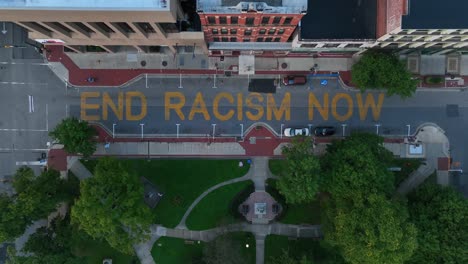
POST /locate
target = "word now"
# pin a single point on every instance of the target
(253, 106)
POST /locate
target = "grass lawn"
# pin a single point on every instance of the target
(407, 167)
(175, 251)
(95, 251)
(181, 181)
(277, 166)
(169, 250)
(312, 249)
(214, 209)
(308, 213)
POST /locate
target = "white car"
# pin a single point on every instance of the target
(291, 132)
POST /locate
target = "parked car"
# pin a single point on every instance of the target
(323, 131)
(291, 132)
(295, 80)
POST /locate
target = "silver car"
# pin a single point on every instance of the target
(291, 132)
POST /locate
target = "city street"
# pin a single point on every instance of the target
(34, 100)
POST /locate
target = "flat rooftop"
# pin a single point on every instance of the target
(339, 19)
(436, 14)
(265, 6)
(104, 5)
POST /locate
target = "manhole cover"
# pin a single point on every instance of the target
(164, 63)
(452, 110)
(284, 65)
(143, 63)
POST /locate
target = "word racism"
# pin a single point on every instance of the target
(253, 106)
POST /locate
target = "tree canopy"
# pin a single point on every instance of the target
(356, 166)
(75, 135)
(441, 214)
(378, 69)
(35, 198)
(111, 206)
(376, 230)
(300, 182)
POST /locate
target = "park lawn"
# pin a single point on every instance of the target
(315, 251)
(308, 213)
(181, 181)
(277, 166)
(169, 250)
(297, 214)
(407, 166)
(95, 251)
(214, 209)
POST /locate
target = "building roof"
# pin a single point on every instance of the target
(122, 5)
(436, 14)
(339, 19)
(264, 6)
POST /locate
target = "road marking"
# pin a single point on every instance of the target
(23, 63)
(23, 83)
(15, 149)
(47, 116)
(22, 130)
(31, 103)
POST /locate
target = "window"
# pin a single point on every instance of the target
(146, 27)
(214, 31)
(223, 20)
(211, 20)
(246, 40)
(216, 39)
(233, 31)
(271, 31)
(287, 21)
(248, 32)
(265, 20)
(268, 39)
(262, 31)
(280, 31)
(277, 39)
(125, 27)
(249, 21)
(234, 20)
(225, 39)
(259, 39)
(276, 20)
(224, 31)
(233, 39)
(104, 27)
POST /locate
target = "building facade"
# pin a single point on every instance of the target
(406, 26)
(250, 27)
(161, 26)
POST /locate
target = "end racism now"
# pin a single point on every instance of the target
(133, 106)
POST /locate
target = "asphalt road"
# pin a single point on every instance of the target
(225, 109)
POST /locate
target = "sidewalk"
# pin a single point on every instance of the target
(118, 69)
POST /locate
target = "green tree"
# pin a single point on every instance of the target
(23, 179)
(356, 166)
(375, 230)
(300, 182)
(378, 69)
(75, 135)
(36, 197)
(111, 206)
(441, 214)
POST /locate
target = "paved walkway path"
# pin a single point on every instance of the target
(260, 248)
(205, 193)
(78, 169)
(260, 172)
(256, 229)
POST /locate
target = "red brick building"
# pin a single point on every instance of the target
(232, 27)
